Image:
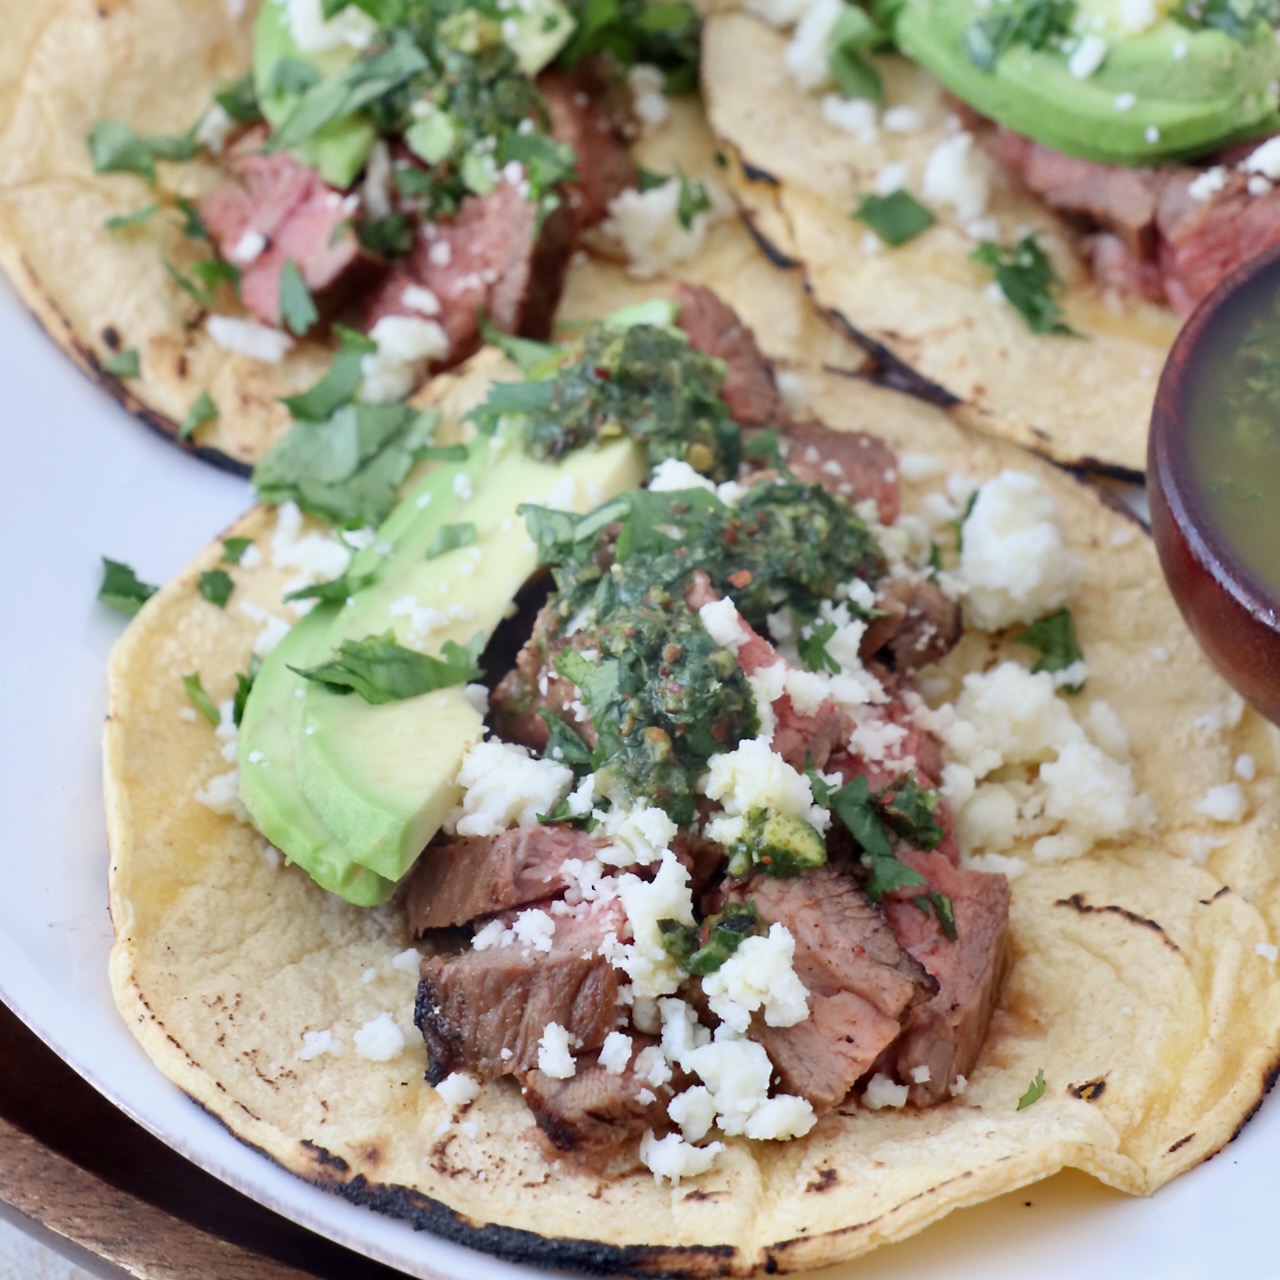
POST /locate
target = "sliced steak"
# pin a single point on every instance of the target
(850, 464)
(474, 1005)
(293, 216)
(919, 624)
(714, 328)
(595, 1113)
(946, 1033)
(491, 260)
(798, 737)
(457, 880)
(585, 117)
(862, 985)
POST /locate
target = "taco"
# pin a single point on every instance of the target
(210, 210)
(955, 924)
(1021, 213)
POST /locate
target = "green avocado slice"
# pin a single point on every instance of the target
(1169, 93)
(339, 150)
(382, 779)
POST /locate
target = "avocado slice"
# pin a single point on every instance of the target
(382, 779)
(1218, 91)
(338, 151)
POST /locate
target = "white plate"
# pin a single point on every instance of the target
(81, 479)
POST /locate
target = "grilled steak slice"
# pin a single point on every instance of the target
(594, 1113)
(713, 327)
(457, 880)
(277, 210)
(862, 985)
(850, 464)
(474, 1005)
(491, 260)
(946, 1033)
(583, 116)
(920, 624)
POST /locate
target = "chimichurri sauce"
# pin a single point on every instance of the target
(1233, 436)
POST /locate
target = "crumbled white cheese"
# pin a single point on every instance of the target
(457, 1089)
(1087, 56)
(759, 975)
(882, 1092)
(902, 119)
(615, 1053)
(681, 1031)
(781, 1117)
(379, 1040)
(315, 1043)
(807, 56)
(1137, 15)
(248, 338)
(1245, 767)
(956, 174)
(1223, 803)
(694, 1111)
(419, 298)
(736, 1074)
(891, 178)
(504, 786)
(222, 794)
(1204, 186)
(915, 468)
(752, 776)
(672, 1158)
(1264, 159)
(921, 1074)
(723, 623)
(649, 102)
(1014, 565)
(1126, 101)
(274, 629)
(313, 33)
(406, 344)
(635, 836)
(214, 129)
(554, 1058)
(534, 928)
(856, 116)
(646, 961)
(673, 474)
(646, 224)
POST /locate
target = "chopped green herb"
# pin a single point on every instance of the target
(958, 524)
(233, 549)
(244, 685)
(240, 100)
(297, 310)
(337, 590)
(1037, 24)
(450, 537)
(202, 411)
(724, 932)
(389, 237)
(115, 148)
(895, 218)
(1035, 1091)
(1055, 636)
(854, 35)
(813, 648)
(124, 364)
(123, 221)
(1240, 19)
(564, 745)
(941, 906)
(192, 223)
(381, 671)
(216, 586)
(203, 279)
(536, 359)
(780, 843)
(121, 590)
(766, 449)
(694, 199)
(292, 78)
(201, 700)
(339, 386)
(1028, 281)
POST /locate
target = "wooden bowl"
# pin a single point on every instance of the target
(1232, 613)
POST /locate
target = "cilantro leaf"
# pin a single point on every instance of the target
(244, 685)
(938, 904)
(116, 148)
(202, 411)
(450, 537)
(562, 743)
(201, 700)
(895, 218)
(1054, 635)
(297, 309)
(124, 364)
(239, 100)
(121, 590)
(381, 671)
(910, 811)
(349, 468)
(233, 549)
(389, 237)
(1035, 1091)
(537, 360)
(813, 648)
(193, 224)
(1037, 24)
(336, 590)
(123, 221)
(856, 806)
(339, 385)
(854, 35)
(694, 199)
(202, 281)
(598, 681)
(216, 586)
(1029, 281)
(292, 77)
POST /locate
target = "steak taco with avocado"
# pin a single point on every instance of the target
(212, 210)
(1024, 202)
(694, 835)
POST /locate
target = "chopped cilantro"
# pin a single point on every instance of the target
(1055, 636)
(381, 671)
(1037, 24)
(958, 524)
(202, 411)
(297, 310)
(660, 32)
(339, 385)
(1240, 19)
(203, 279)
(292, 77)
(536, 359)
(239, 100)
(244, 685)
(121, 590)
(854, 35)
(941, 906)
(115, 148)
(216, 587)
(124, 364)
(724, 932)
(336, 590)
(895, 218)
(389, 237)
(1029, 281)
(201, 700)
(694, 199)
(813, 648)
(450, 537)
(123, 221)
(233, 549)
(1035, 1091)
(193, 224)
